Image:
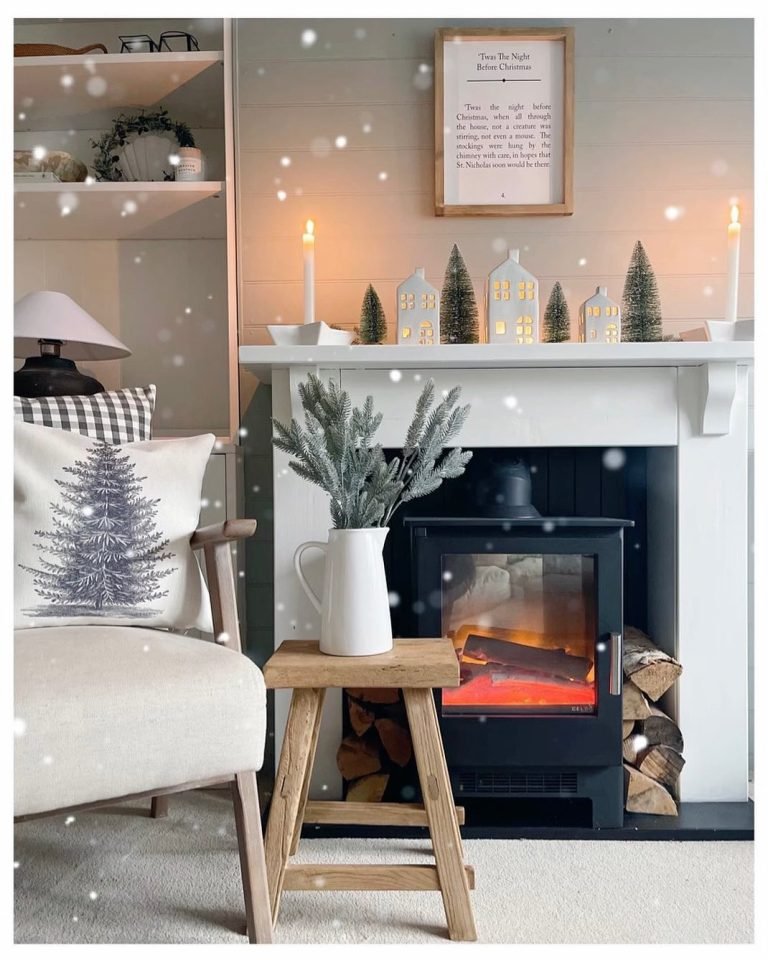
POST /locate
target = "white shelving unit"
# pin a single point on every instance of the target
(119, 211)
(178, 309)
(77, 92)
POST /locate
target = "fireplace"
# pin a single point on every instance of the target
(534, 610)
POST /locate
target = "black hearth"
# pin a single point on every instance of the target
(534, 609)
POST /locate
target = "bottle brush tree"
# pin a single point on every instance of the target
(557, 320)
(458, 307)
(373, 323)
(640, 304)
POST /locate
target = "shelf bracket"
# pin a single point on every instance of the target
(718, 390)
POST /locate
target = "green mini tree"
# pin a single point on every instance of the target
(373, 323)
(458, 307)
(557, 320)
(640, 304)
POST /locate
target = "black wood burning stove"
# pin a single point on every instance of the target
(534, 609)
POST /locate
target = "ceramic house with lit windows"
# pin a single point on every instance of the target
(418, 311)
(512, 301)
(600, 319)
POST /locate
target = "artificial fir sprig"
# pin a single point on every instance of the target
(336, 451)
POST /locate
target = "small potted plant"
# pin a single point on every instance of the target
(141, 147)
(336, 450)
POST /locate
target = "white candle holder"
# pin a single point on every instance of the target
(307, 334)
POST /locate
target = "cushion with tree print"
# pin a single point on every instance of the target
(102, 530)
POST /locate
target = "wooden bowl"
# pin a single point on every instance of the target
(52, 49)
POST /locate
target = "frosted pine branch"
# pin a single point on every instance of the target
(336, 450)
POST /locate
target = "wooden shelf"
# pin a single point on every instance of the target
(119, 211)
(103, 83)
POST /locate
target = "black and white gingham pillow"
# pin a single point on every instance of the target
(116, 416)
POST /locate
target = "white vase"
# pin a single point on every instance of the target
(354, 611)
(146, 157)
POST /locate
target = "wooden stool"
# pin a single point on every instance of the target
(415, 666)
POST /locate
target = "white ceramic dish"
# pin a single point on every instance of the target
(307, 334)
(725, 330)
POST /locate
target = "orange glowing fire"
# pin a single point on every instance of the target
(485, 683)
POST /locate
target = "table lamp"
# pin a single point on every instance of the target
(53, 324)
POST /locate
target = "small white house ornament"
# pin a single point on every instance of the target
(600, 319)
(512, 303)
(418, 311)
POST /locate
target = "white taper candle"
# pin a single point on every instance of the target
(309, 273)
(734, 243)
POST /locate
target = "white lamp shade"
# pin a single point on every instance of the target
(49, 315)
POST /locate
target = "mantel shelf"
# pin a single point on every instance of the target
(262, 360)
(42, 102)
(102, 211)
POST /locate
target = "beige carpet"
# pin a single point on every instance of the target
(118, 877)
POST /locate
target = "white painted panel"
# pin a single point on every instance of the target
(624, 407)
(409, 80)
(360, 254)
(667, 78)
(295, 126)
(685, 166)
(384, 38)
(333, 81)
(687, 300)
(398, 214)
(664, 121)
(712, 599)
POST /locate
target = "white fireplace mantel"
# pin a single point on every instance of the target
(684, 401)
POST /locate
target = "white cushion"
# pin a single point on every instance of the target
(103, 712)
(102, 531)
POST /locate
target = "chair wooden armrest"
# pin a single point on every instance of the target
(222, 532)
(215, 541)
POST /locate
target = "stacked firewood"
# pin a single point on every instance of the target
(375, 755)
(653, 744)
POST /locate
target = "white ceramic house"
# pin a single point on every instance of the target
(512, 303)
(600, 319)
(418, 311)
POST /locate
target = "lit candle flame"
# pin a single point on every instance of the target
(734, 214)
(310, 228)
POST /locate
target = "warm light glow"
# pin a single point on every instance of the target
(734, 214)
(310, 228)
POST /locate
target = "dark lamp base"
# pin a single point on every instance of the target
(53, 377)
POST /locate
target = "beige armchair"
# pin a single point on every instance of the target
(108, 714)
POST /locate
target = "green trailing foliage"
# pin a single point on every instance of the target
(128, 126)
(458, 307)
(336, 450)
(557, 320)
(640, 304)
(373, 322)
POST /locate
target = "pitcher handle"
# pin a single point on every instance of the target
(313, 597)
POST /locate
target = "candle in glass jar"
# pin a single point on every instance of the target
(734, 242)
(309, 273)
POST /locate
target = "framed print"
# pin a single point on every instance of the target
(503, 122)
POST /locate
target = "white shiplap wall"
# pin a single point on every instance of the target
(664, 115)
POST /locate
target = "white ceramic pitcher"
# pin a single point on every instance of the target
(354, 611)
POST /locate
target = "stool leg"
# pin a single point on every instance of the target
(441, 812)
(159, 808)
(295, 757)
(307, 778)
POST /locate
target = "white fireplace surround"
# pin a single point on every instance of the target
(686, 401)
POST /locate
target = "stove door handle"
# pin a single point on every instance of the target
(617, 666)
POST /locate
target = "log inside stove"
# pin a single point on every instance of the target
(515, 660)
